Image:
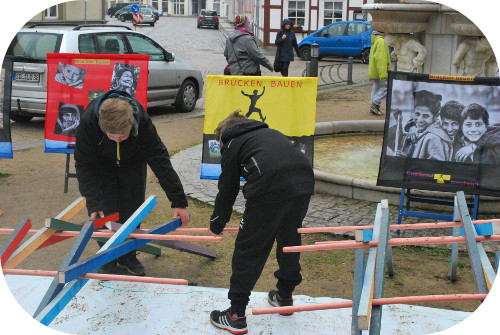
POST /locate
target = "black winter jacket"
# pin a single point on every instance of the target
(273, 168)
(288, 44)
(96, 153)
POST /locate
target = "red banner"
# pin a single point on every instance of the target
(74, 80)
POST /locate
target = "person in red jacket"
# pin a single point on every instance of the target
(279, 184)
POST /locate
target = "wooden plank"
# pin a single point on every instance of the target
(73, 255)
(497, 259)
(78, 269)
(365, 303)
(379, 284)
(69, 212)
(50, 312)
(359, 268)
(28, 247)
(177, 245)
(454, 247)
(149, 249)
(99, 276)
(98, 223)
(473, 251)
(14, 239)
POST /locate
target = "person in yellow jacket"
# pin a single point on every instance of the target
(379, 64)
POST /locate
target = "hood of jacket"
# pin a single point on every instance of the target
(285, 21)
(125, 96)
(376, 38)
(241, 127)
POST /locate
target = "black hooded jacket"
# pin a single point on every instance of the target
(96, 153)
(288, 44)
(273, 168)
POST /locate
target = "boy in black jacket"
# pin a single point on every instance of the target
(114, 142)
(279, 185)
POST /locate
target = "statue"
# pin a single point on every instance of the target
(472, 56)
(408, 51)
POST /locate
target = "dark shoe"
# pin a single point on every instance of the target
(231, 323)
(108, 268)
(375, 109)
(133, 266)
(276, 301)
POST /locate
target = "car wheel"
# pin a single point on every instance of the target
(365, 56)
(217, 27)
(198, 26)
(122, 18)
(305, 53)
(152, 24)
(186, 97)
(20, 118)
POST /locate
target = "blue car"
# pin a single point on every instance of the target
(343, 38)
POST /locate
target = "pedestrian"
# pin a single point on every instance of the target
(115, 142)
(279, 184)
(379, 64)
(242, 53)
(286, 42)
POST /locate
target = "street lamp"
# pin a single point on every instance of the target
(314, 59)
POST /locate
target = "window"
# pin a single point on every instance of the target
(297, 12)
(35, 45)
(144, 46)
(164, 6)
(51, 12)
(355, 28)
(110, 44)
(86, 44)
(332, 12)
(337, 29)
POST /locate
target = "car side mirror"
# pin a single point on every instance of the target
(169, 56)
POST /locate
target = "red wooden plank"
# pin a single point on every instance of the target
(13, 241)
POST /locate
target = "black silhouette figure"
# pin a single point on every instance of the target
(253, 101)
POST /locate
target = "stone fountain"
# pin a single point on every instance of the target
(433, 38)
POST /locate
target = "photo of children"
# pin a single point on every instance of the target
(454, 123)
(214, 148)
(68, 119)
(125, 78)
(70, 75)
(95, 94)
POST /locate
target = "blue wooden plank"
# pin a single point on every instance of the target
(497, 259)
(359, 272)
(379, 285)
(367, 235)
(470, 240)
(50, 312)
(73, 256)
(427, 215)
(483, 229)
(79, 269)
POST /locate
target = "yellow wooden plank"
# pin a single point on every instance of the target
(72, 210)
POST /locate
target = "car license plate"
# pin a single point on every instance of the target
(23, 76)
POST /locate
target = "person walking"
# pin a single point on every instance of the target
(242, 53)
(279, 184)
(286, 42)
(115, 142)
(379, 64)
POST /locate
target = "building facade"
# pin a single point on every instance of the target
(91, 11)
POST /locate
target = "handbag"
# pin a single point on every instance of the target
(277, 62)
(227, 71)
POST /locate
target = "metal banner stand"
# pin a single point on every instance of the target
(67, 174)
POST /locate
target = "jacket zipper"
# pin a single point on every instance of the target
(118, 153)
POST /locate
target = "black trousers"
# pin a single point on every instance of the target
(259, 228)
(284, 68)
(123, 191)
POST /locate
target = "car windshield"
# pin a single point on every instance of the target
(209, 13)
(34, 46)
(145, 11)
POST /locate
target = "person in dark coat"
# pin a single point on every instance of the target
(286, 42)
(115, 142)
(279, 184)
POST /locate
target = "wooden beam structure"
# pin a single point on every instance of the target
(92, 264)
(359, 273)
(176, 245)
(72, 256)
(14, 239)
(50, 312)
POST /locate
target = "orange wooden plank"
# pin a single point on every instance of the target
(73, 209)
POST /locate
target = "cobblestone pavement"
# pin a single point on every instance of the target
(324, 210)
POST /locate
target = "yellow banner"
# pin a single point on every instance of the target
(287, 104)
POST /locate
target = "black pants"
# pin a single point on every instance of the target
(284, 68)
(123, 191)
(259, 228)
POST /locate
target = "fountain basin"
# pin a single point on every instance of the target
(364, 189)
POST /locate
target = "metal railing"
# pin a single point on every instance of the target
(330, 74)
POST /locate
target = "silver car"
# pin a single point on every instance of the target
(170, 81)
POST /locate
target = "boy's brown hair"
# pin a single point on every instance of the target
(116, 116)
(228, 122)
